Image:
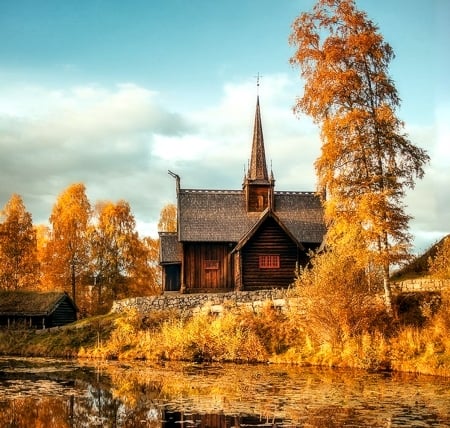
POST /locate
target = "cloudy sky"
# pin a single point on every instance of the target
(114, 93)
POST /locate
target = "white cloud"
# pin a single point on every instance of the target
(442, 152)
(429, 201)
(99, 136)
(121, 141)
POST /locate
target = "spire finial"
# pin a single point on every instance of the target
(257, 77)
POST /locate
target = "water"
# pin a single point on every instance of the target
(52, 393)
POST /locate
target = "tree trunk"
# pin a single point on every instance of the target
(387, 291)
(72, 268)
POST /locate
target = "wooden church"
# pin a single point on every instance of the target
(250, 239)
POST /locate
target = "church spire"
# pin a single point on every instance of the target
(258, 168)
(258, 186)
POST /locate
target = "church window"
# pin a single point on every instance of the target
(260, 202)
(269, 261)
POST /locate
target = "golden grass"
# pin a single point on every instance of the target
(288, 337)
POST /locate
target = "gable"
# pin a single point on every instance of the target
(268, 218)
(269, 236)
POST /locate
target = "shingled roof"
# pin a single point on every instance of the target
(221, 215)
(170, 250)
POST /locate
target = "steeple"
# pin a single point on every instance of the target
(258, 186)
(258, 167)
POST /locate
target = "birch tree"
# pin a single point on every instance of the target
(367, 161)
(119, 258)
(67, 251)
(168, 219)
(19, 266)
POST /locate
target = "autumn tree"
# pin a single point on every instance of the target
(67, 251)
(168, 219)
(367, 161)
(119, 258)
(19, 266)
(146, 275)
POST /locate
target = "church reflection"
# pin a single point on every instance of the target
(118, 395)
(216, 420)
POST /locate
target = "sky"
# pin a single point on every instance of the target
(114, 94)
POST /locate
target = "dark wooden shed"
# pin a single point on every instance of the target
(30, 309)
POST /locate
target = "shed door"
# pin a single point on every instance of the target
(172, 279)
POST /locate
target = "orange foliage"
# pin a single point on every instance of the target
(367, 162)
(19, 265)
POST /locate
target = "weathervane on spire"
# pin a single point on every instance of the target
(258, 76)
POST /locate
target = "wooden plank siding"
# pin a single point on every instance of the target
(208, 267)
(270, 239)
(64, 313)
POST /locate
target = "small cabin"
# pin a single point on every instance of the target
(30, 309)
(248, 239)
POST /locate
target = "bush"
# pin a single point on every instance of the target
(338, 304)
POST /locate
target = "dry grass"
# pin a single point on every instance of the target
(338, 326)
(202, 337)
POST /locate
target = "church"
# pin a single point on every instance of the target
(249, 239)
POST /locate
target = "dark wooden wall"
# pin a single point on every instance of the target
(64, 313)
(198, 276)
(270, 239)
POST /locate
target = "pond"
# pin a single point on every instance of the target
(54, 393)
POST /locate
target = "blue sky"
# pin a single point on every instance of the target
(114, 93)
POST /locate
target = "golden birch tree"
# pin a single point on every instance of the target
(67, 250)
(168, 219)
(19, 266)
(119, 258)
(367, 161)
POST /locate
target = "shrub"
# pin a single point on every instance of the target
(337, 301)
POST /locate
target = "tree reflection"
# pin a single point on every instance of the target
(31, 412)
(217, 396)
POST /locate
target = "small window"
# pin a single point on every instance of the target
(260, 203)
(269, 262)
(211, 264)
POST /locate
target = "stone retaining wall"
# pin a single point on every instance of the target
(212, 302)
(420, 284)
(217, 302)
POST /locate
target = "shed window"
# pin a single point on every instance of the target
(211, 264)
(269, 261)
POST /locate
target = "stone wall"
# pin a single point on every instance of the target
(191, 303)
(420, 284)
(217, 302)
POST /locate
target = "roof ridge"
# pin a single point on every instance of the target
(237, 191)
(295, 192)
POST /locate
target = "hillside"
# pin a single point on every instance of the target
(419, 266)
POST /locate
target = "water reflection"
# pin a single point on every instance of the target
(49, 393)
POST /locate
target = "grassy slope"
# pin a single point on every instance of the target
(59, 342)
(419, 266)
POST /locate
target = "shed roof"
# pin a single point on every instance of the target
(31, 303)
(221, 215)
(170, 250)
